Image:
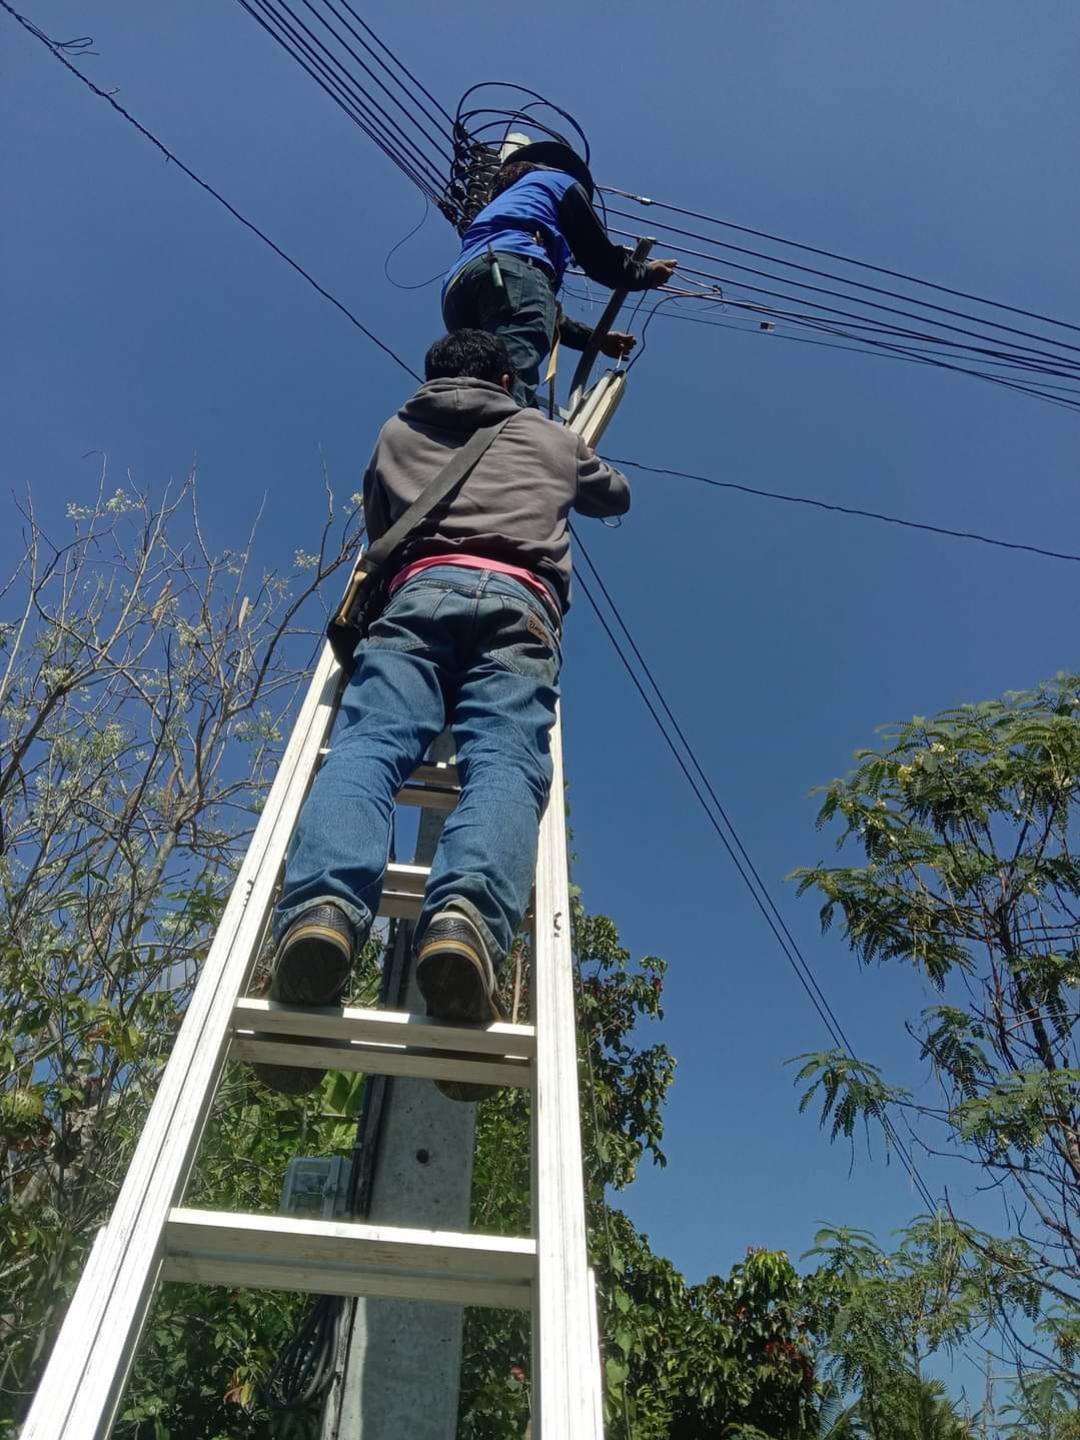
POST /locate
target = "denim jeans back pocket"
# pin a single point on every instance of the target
(527, 644)
(406, 622)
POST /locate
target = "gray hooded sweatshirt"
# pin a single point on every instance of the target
(514, 505)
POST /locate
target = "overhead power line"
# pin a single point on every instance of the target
(847, 280)
(299, 41)
(205, 185)
(1066, 395)
(721, 822)
(417, 85)
(415, 138)
(1054, 364)
(834, 255)
(852, 510)
(919, 329)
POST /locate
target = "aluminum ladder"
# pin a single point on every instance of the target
(151, 1237)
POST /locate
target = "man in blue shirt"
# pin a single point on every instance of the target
(513, 257)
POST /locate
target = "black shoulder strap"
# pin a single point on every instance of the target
(445, 483)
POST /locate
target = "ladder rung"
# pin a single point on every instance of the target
(328, 1257)
(437, 774)
(403, 890)
(381, 1042)
(435, 787)
(430, 797)
(383, 1027)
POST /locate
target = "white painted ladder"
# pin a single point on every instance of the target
(152, 1237)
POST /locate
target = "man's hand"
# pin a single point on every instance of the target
(617, 345)
(660, 272)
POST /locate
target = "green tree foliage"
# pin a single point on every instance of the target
(969, 872)
(882, 1316)
(728, 1356)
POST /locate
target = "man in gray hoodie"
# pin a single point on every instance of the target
(470, 638)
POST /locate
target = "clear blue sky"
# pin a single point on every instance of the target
(141, 321)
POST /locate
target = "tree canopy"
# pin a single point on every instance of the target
(969, 872)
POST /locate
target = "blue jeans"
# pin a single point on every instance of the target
(468, 648)
(522, 314)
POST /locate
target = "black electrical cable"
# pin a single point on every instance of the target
(402, 67)
(850, 280)
(504, 113)
(844, 259)
(334, 79)
(441, 139)
(878, 332)
(304, 1369)
(735, 848)
(851, 510)
(714, 291)
(879, 348)
(346, 93)
(861, 346)
(992, 348)
(1038, 391)
(819, 323)
(421, 284)
(204, 185)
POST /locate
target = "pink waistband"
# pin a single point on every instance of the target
(478, 562)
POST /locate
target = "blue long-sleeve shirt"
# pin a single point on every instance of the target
(547, 216)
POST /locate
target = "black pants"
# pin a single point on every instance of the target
(522, 314)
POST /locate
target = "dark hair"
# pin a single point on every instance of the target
(509, 174)
(468, 354)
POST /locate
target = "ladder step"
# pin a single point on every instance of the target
(330, 1257)
(435, 787)
(381, 1042)
(403, 890)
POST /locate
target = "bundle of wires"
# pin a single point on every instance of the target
(865, 308)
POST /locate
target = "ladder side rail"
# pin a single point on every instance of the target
(600, 330)
(566, 1369)
(84, 1380)
(567, 1384)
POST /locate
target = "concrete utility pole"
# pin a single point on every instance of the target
(400, 1360)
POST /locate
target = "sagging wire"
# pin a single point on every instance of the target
(669, 297)
(421, 284)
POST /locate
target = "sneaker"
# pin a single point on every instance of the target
(311, 967)
(457, 980)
